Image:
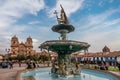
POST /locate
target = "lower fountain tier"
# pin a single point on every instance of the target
(64, 48)
(67, 46)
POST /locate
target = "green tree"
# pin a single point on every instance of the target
(21, 57)
(32, 57)
(44, 58)
(11, 58)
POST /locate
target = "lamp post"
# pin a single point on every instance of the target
(7, 50)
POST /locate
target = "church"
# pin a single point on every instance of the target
(22, 48)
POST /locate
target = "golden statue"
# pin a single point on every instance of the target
(63, 19)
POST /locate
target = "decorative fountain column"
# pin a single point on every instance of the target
(64, 47)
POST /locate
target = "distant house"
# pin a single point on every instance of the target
(105, 56)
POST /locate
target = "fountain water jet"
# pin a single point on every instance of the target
(64, 47)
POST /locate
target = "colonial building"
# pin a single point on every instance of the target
(22, 48)
(105, 56)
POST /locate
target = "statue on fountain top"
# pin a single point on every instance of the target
(63, 19)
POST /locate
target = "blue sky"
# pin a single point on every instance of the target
(96, 22)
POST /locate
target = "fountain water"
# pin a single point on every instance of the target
(64, 47)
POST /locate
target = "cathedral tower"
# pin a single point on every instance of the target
(14, 45)
(29, 45)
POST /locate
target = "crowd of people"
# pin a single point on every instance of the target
(33, 64)
(6, 64)
(101, 67)
(9, 64)
(30, 64)
(104, 66)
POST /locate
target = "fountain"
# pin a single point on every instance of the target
(63, 68)
(64, 47)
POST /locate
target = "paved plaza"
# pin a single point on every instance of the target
(10, 74)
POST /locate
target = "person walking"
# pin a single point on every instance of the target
(11, 64)
(19, 63)
(119, 66)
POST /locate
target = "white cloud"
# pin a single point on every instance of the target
(113, 22)
(110, 1)
(70, 6)
(34, 22)
(92, 21)
(36, 44)
(101, 3)
(95, 28)
(11, 10)
(35, 40)
(14, 30)
(115, 43)
(98, 30)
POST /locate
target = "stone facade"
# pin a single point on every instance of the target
(1, 57)
(22, 48)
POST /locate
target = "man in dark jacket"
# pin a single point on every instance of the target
(119, 66)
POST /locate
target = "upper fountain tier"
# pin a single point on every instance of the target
(63, 45)
(63, 27)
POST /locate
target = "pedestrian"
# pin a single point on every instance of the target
(19, 63)
(11, 64)
(34, 65)
(119, 66)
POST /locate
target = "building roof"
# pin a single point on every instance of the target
(101, 54)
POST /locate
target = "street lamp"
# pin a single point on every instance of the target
(7, 50)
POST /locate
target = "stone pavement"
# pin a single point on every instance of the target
(116, 73)
(10, 74)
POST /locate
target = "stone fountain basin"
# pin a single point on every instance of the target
(67, 45)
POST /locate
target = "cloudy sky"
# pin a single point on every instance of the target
(96, 22)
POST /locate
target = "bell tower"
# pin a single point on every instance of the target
(29, 45)
(14, 45)
(106, 50)
(29, 42)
